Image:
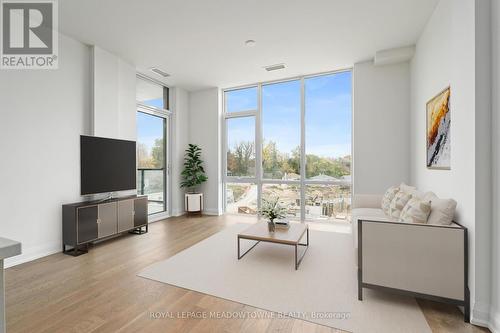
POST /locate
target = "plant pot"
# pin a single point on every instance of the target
(271, 226)
(193, 203)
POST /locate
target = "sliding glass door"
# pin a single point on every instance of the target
(152, 144)
(291, 140)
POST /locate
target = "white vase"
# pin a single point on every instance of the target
(193, 203)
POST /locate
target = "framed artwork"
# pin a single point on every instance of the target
(438, 137)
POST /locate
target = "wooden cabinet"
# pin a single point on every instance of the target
(85, 222)
(140, 211)
(107, 222)
(87, 218)
(126, 215)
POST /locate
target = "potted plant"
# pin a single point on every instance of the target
(271, 209)
(193, 175)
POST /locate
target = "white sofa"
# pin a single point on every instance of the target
(423, 260)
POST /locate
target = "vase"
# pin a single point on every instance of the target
(271, 226)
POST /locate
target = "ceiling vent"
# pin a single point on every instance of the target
(159, 72)
(274, 67)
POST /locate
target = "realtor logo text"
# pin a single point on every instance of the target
(29, 38)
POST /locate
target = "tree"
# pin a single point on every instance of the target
(158, 154)
(193, 173)
(294, 161)
(143, 158)
(243, 153)
(271, 160)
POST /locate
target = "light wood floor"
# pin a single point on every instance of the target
(101, 292)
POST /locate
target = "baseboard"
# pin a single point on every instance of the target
(486, 316)
(211, 211)
(177, 213)
(494, 324)
(33, 253)
(158, 217)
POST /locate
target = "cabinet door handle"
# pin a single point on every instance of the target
(98, 221)
(133, 212)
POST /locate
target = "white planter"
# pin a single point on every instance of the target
(193, 202)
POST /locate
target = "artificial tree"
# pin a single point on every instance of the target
(193, 174)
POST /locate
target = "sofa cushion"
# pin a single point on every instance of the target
(416, 211)
(388, 197)
(442, 211)
(398, 203)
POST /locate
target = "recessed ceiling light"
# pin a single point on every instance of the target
(159, 71)
(274, 67)
(250, 43)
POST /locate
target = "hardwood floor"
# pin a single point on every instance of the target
(101, 292)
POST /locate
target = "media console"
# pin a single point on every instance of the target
(86, 222)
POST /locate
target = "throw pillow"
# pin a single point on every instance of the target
(416, 211)
(388, 196)
(407, 188)
(398, 203)
(442, 211)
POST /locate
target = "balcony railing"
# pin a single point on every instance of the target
(151, 182)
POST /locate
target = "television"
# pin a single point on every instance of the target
(107, 165)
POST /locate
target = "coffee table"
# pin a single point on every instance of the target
(259, 232)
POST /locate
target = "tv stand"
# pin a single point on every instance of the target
(90, 221)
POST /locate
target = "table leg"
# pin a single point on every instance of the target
(242, 255)
(296, 265)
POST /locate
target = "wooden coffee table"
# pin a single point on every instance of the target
(259, 232)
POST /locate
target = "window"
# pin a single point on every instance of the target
(241, 147)
(241, 198)
(151, 139)
(152, 143)
(151, 94)
(281, 130)
(241, 100)
(291, 140)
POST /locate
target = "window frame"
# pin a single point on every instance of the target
(166, 114)
(259, 179)
(162, 112)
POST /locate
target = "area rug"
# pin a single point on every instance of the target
(323, 290)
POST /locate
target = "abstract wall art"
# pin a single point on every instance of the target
(438, 131)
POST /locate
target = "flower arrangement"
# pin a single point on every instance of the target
(271, 209)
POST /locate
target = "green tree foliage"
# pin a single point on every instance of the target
(153, 159)
(241, 158)
(275, 163)
(158, 153)
(193, 173)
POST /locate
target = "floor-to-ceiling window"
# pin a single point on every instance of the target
(291, 140)
(152, 143)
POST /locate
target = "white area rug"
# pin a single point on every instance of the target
(265, 278)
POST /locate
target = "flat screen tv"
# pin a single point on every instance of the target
(107, 165)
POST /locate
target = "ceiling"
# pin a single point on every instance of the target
(201, 42)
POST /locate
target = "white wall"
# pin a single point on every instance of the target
(381, 123)
(180, 139)
(114, 102)
(446, 56)
(43, 113)
(495, 293)
(204, 130)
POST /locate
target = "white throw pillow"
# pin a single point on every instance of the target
(388, 196)
(416, 211)
(407, 188)
(398, 203)
(442, 211)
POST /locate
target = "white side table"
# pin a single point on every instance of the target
(8, 248)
